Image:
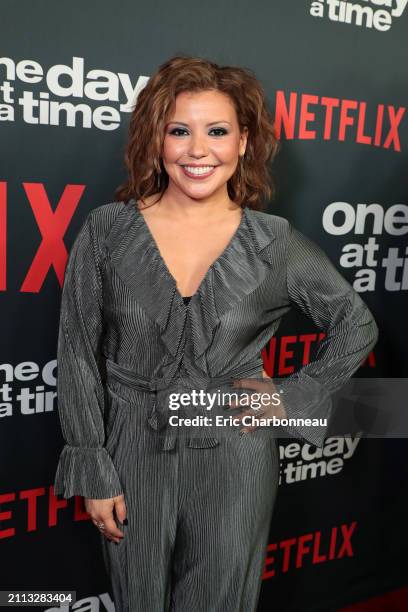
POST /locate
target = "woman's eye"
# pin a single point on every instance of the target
(222, 130)
(175, 131)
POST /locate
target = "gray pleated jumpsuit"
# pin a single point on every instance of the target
(199, 500)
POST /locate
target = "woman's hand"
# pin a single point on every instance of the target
(101, 512)
(266, 409)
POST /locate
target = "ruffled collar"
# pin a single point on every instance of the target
(237, 272)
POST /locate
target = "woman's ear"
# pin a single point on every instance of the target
(243, 140)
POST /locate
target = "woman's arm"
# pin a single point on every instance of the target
(318, 289)
(85, 468)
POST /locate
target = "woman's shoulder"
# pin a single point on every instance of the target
(106, 221)
(105, 214)
(105, 217)
(274, 224)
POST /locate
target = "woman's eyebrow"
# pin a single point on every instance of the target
(208, 124)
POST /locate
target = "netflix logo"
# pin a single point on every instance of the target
(310, 548)
(37, 509)
(50, 253)
(311, 117)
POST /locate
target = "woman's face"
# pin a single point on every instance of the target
(202, 132)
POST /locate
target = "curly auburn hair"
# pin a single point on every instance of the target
(251, 182)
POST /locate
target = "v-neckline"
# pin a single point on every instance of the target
(209, 269)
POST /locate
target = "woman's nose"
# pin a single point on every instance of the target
(198, 147)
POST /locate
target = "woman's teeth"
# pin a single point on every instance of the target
(202, 170)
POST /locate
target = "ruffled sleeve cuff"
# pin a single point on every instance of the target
(307, 401)
(88, 472)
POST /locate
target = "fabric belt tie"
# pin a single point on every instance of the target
(157, 418)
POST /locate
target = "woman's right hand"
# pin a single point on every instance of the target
(101, 513)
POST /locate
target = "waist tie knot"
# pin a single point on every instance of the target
(158, 418)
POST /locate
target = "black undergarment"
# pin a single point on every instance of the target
(187, 298)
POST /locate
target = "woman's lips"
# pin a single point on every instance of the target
(198, 176)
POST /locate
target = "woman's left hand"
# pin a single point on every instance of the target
(268, 409)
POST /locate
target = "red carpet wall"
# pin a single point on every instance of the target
(335, 76)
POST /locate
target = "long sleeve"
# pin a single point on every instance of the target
(85, 467)
(318, 289)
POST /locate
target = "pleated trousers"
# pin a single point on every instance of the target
(198, 519)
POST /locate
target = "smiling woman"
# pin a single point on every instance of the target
(188, 224)
(201, 156)
(235, 106)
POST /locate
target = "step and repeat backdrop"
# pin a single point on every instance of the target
(335, 76)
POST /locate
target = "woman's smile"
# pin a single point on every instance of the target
(198, 172)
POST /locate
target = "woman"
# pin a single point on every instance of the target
(177, 286)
